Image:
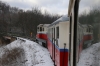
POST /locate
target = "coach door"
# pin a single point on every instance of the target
(52, 41)
(53, 46)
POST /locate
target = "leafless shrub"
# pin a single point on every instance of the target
(14, 57)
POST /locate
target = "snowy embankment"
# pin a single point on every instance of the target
(34, 54)
(90, 56)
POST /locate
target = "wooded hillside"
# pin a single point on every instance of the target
(20, 22)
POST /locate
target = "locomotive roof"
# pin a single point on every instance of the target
(62, 19)
(40, 25)
(45, 25)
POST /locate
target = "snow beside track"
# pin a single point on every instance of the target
(35, 54)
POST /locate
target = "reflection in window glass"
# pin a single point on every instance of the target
(88, 53)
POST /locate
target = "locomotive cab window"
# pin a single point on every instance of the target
(40, 28)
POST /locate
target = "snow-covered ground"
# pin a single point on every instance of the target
(35, 55)
(90, 56)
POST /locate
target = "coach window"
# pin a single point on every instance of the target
(57, 32)
(57, 35)
(40, 28)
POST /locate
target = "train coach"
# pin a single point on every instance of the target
(84, 37)
(56, 37)
(58, 41)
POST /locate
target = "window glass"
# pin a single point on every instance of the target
(57, 36)
(57, 32)
(40, 28)
(88, 53)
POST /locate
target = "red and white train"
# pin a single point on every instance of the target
(84, 38)
(56, 37)
(41, 36)
(66, 37)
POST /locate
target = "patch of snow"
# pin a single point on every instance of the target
(90, 56)
(35, 55)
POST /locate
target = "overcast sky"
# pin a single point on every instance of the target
(87, 5)
(52, 6)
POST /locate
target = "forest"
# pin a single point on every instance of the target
(18, 22)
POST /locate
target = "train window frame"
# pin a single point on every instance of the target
(73, 30)
(70, 40)
(76, 7)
